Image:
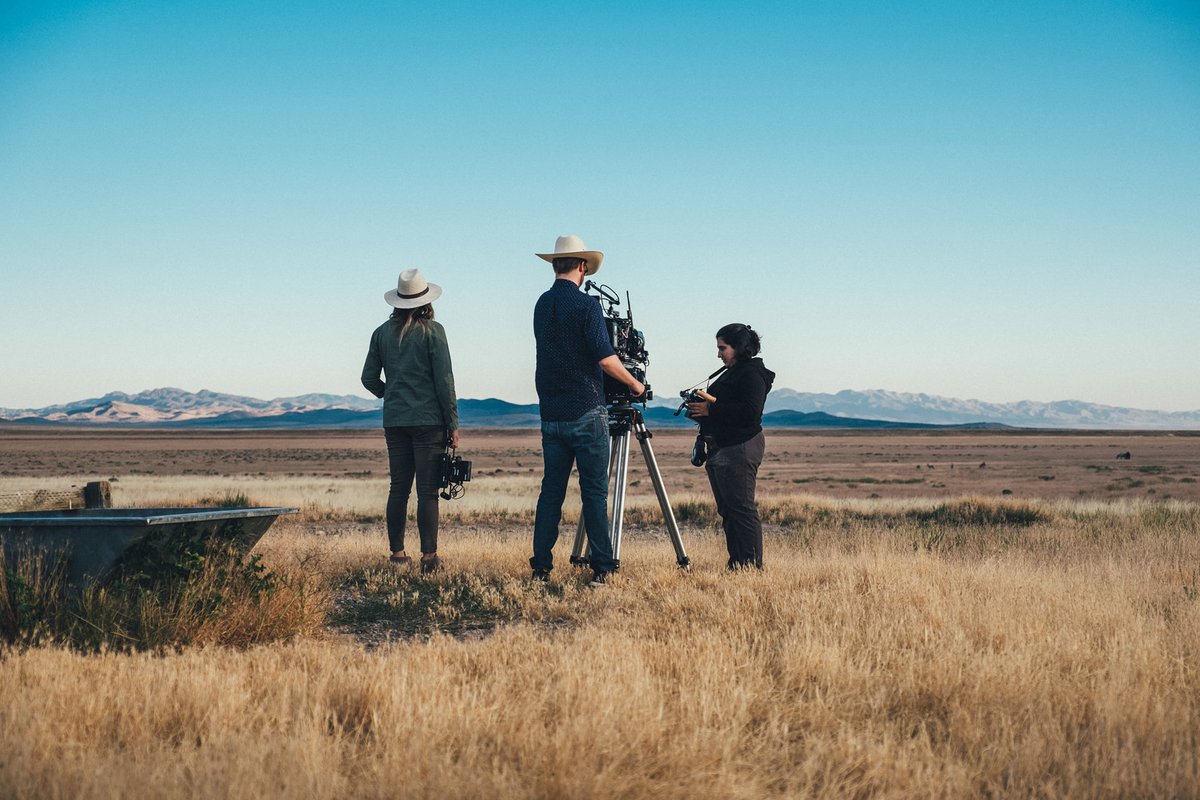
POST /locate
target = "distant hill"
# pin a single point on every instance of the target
(662, 417)
(819, 419)
(785, 408)
(880, 404)
(177, 406)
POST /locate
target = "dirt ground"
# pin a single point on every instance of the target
(890, 464)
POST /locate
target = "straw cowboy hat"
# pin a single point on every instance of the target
(573, 247)
(412, 290)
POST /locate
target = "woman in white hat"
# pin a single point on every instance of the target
(420, 410)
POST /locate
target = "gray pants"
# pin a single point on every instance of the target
(733, 475)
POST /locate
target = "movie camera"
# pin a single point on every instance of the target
(628, 342)
(626, 423)
(453, 472)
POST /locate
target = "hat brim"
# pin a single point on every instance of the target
(393, 298)
(592, 257)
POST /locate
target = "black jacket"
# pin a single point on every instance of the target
(741, 392)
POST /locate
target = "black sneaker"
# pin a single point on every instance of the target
(541, 575)
(599, 579)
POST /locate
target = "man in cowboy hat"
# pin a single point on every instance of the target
(573, 353)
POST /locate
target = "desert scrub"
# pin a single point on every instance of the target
(816, 512)
(968, 511)
(1145, 516)
(219, 598)
(32, 596)
(980, 512)
(230, 499)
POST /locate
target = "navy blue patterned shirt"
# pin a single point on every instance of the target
(572, 339)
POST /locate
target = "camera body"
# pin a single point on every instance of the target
(628, 342)
(693, 396)
(703, 444)
(453, 472)
(617, 392)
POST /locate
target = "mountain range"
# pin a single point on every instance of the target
(907, 407)
(786, 408)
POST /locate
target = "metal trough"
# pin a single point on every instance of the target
(97, 542)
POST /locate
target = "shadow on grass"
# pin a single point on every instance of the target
(385, 603)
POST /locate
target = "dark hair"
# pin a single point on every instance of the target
(742, 338)
(404, 318)
(564, 265)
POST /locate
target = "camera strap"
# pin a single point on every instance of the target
(709, 378)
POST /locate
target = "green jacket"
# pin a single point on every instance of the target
(418, 384)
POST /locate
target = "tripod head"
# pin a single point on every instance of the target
(622, 414)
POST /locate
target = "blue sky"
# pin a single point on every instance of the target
(993, 201)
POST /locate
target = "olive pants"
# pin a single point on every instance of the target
(414, 452)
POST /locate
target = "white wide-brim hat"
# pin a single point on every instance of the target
(412, 290)
(573, 247)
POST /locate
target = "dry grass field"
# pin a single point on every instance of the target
(908, 639)
(851, 464)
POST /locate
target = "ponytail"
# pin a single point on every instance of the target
(742, 338)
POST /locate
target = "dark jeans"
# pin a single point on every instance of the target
(414, 451)
(733, 474)
(584, 442)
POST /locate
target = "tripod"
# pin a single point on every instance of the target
(622, 419)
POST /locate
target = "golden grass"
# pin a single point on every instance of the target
(335, 498)
(902, 649)
(500, 500)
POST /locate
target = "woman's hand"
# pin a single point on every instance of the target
(699, 409)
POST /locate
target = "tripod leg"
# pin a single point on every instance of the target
(621, 453)
(579, 552)
(681, 556)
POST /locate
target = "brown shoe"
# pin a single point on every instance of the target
(400, 561)
(431, 563)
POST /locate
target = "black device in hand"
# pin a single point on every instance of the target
(454, 471)
(693, 396)
(704, 444)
